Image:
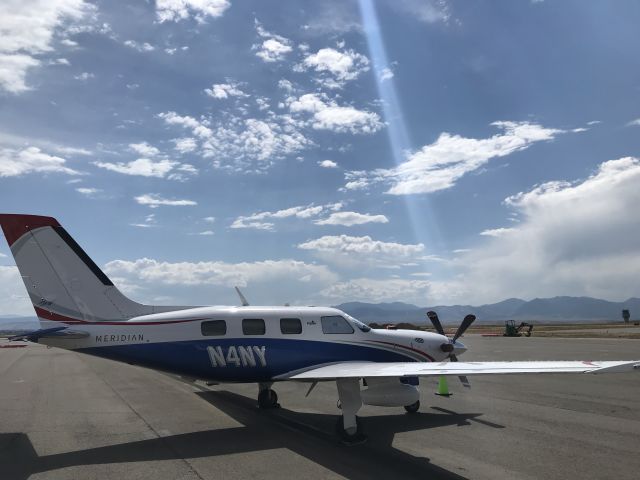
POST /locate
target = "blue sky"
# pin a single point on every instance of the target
(321, 152)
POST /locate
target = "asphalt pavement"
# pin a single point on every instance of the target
(68, 416)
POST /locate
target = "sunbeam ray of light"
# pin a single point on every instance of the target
(423, 222)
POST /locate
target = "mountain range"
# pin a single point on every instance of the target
(556, 309)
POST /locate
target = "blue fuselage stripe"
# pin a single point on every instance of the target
(192, 357)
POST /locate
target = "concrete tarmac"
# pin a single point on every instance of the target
(69, 416)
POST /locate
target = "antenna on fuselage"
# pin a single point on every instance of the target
(243, 300)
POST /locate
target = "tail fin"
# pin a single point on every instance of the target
(64, 284)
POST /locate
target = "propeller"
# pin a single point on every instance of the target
(450, 345)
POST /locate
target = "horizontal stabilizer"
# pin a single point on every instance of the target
(55, 332)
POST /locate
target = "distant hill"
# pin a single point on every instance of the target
(18, 323)
(556, 309)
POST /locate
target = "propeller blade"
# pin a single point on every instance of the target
(433, 316)
(465, 381)
(468, 320)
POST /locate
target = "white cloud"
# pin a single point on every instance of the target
(142, 166)
(225, 90)
(273, 48)
(185, 144)
(158, 165)
(497, 232)
(15, 162)
(149, 222)
(379, 290)
(140, 47)
(347, 119)
(243, 144)
(209, 219)
(285, 85)
(206, 233)
(87, 191)
(217, 273)
(634, 123)
(13, 70)
(440, 165)
(337, 67)
(70, 150)
(17, 141)
(426, 11)
(348, 250)
(386, 74)
(253, 139)
(328, 164)
(357, 180)
(199, 129)
(349, 219)
(142, 225)
(84, 76)
(176, 10)
(258, 221)
(574, 238)
(155, 200)
(28, 28)
(144, 149)
(262, 102)
(2, 255)
(328, 115)
(13, 296)
(332, 17)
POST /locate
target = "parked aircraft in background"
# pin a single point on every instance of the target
(80, 309)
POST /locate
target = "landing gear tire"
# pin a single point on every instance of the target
(413, 408)
(268, 399)
(350, 439)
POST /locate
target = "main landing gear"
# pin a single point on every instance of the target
(267, 398)
(348, 425)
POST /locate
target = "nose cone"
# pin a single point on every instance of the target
(459, 348)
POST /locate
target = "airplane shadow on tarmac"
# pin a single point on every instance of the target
(307, 434)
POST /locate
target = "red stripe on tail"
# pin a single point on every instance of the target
(15, 226)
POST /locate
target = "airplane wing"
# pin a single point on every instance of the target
(419, 369)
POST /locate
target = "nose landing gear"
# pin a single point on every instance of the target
(413, 408)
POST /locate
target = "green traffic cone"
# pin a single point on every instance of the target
(443, 387)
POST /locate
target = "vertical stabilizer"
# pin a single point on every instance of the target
(63, 283)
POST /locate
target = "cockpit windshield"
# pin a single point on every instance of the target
(362, 326)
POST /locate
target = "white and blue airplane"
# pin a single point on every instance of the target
(80, 309)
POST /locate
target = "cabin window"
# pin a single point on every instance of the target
(290, 326)
(253, 326)
(213, 328)
(335, 324)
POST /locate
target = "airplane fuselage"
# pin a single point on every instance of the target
(247, 344)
